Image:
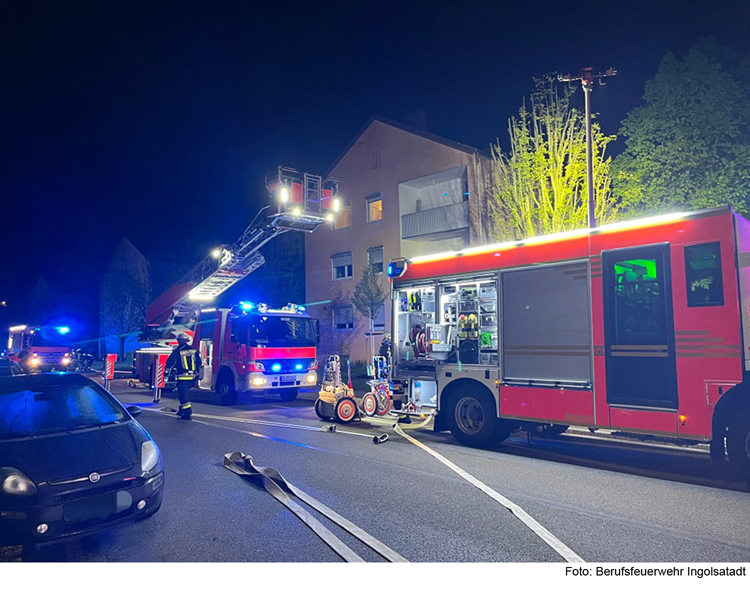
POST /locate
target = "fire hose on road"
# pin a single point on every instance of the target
(286, 493)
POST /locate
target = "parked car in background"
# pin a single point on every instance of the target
(8, 367)
(73, 460)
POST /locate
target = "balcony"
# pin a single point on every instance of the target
(438, 220)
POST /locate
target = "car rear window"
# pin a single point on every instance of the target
(56, 409)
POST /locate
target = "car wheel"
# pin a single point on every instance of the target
(225, 389)
(288, 394)
(472, 419)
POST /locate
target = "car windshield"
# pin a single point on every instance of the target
(55, 409)
(282, 331)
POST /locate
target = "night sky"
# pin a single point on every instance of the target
(157, 121)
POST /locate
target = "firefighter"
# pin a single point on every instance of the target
(187, 364)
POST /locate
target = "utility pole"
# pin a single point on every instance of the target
(587, 77)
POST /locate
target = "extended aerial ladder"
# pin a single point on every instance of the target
(304, 203)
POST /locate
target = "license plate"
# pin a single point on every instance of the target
(288, 378)
(98, 507)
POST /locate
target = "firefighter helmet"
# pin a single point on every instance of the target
(183, 338)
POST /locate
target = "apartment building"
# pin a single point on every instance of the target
(404, 192)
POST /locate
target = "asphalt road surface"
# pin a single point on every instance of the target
(600, 500)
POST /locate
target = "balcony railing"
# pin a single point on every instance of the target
(447, 218)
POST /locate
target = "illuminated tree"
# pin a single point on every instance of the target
(540, 185)
(369, 294)
(688, 146)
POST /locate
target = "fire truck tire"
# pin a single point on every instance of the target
(472, 419)
(225, 389)
(288, 394)
(346, 410)
(738, 443)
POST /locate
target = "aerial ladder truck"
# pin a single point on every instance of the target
(248, 346)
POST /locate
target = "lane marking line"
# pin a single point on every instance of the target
(536, 527)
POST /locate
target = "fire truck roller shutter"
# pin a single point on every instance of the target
(546, 327)
(471, 414)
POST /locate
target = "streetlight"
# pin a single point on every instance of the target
(587, 77)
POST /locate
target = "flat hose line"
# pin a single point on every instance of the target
(275, 484)
(552, 541)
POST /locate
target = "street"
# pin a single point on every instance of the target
(601, 500)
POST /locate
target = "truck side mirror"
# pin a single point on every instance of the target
(317, 331)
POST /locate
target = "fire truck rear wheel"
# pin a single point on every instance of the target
(738, 443)
(472, 418)
(225, 389)
(288, 394)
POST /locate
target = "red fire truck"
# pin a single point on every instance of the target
(639, 326)
(40, 348)
(254, 348)
(246, 347)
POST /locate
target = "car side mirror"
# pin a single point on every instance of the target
(134, 410)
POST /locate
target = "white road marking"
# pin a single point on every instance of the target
(552, 541)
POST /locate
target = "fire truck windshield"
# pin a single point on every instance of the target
(281, 331)
(48, 336)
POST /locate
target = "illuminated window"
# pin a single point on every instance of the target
(703, 275)
(343, 317)
(343, 217)
(375, 208)
(341, 265)
(375, 258)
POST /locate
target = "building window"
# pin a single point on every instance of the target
(375, 208)
(341, 265)
(375, 258)
(378, 323)
(703, 275)
(376, 163)
(343, 217)
(343, 318)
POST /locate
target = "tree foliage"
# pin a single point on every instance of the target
(688, 146)
(369, 294)
(540, 185)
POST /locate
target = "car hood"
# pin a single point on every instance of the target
(78, 453)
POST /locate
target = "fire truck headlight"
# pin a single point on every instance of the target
(66, 360)
(259, 381)
(312, 378)
(34, 361)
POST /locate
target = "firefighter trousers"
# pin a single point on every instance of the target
(183, 387)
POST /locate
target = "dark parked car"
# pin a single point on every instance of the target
(73, 460)
(8, 367)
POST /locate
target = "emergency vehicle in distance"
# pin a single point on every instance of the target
(40, 348)
(247, 347)
(640, 326)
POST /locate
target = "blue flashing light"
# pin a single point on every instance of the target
(247, 305)
(63, 329)
(396, 268)
(301, 308)
(276, 367)
(298, 367)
